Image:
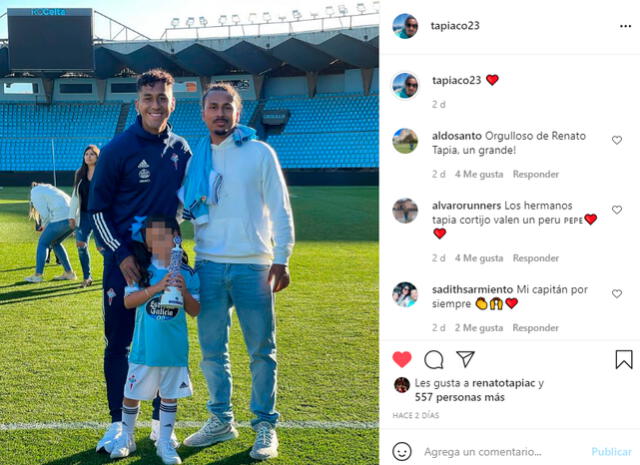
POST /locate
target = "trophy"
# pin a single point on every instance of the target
(172, 297)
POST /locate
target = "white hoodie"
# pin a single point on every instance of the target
(252, 222)
(52, 204)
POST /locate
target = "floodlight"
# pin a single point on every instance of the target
(376, 6)
(361, 8)
(235, 19)
(329, 11)
(252, 17)
(175, 22)
(296, 15)
(342, 10)
(266, 16)
(190, 21)
(203, 21)
(222, 20)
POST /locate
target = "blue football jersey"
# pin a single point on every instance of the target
(160, 337)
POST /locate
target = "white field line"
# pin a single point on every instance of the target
(187, 424)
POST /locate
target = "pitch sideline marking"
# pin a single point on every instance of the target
(80, 425)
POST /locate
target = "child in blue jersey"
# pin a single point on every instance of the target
(158, 362)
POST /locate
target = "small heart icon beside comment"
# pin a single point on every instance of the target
(617, 293)
(492, 78)
(616, 139)
(617, 209)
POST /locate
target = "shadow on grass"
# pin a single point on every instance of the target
(17, 269)
(88, 456)
(31, 294)
(240, 458)
(146, 455)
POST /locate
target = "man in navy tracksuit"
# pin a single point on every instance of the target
(138, 174)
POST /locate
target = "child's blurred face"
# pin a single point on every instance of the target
(159, 239)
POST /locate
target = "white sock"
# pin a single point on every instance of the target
(167, 420)
(129, 417)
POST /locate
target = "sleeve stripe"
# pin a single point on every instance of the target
(112, 243)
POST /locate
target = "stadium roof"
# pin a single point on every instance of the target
(322, 52)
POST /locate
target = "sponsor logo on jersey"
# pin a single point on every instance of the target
(155, 311)
(184, 385)
(111, 294)
(143, 164)
(174, 159)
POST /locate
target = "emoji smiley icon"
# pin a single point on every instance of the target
(401, 451)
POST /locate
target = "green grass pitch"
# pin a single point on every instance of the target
(51, 340)
(405, 148)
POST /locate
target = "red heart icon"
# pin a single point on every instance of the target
(492, 78)
(439, 232)
(511, 302)
(402, 358)
(591, 217)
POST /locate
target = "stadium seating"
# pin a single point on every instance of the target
(327, 131)
(31, 134)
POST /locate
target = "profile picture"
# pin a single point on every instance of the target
(402, 385)
(405, 294)
(405, 140)
(405, 85)
(405, 210)
(405, 26)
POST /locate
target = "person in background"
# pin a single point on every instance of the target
(79, 217)
(50, 208)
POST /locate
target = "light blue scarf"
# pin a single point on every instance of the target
(196, 186)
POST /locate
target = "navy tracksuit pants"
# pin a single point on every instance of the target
(118, 332)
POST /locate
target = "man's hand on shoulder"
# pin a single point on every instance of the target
(279, 275)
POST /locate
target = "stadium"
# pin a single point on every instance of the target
(312, 94)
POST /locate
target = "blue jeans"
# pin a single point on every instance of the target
(83, 234)
(223, 285)
(53, 235)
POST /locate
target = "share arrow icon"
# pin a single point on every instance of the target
(466, 356)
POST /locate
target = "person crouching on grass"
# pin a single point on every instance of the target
(158, 362)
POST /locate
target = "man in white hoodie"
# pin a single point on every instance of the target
(236, 196)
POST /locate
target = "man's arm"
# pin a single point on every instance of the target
(101, 198)
(276, 196)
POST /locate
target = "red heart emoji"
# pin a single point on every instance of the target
(591, 217)
(439, 232)
(402, 358)
(511, 302)
(492, 78)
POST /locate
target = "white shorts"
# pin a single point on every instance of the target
(145, 382)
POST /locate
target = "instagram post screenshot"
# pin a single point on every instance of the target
(189, 232)
(315, 233)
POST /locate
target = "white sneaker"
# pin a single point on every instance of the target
(212, 432)
(123, 445)
(66, 276)
(34, 279)
(266, 445)
(106, 443)
(167, 453)
(155, 434)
